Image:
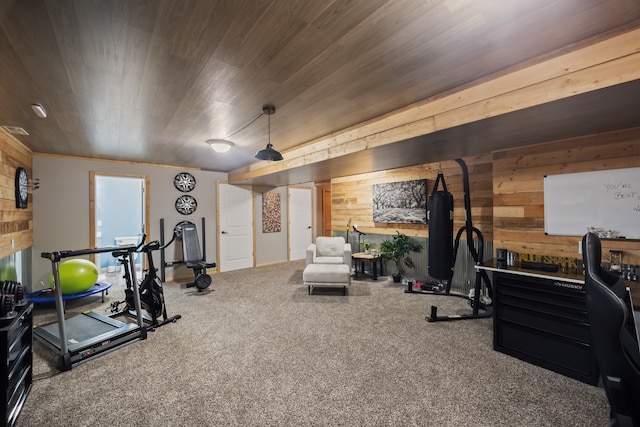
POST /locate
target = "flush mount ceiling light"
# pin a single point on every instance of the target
(39, 110)
(269, 153)
(220, 145)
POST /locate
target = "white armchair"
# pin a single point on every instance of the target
(329, 250)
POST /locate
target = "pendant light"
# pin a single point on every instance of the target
(269, 153)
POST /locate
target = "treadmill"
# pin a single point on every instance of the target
(88, 334)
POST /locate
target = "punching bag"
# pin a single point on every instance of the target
(440, 219)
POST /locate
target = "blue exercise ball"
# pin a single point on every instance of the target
(76, 276)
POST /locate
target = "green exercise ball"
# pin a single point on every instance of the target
(8, 272)
(76, 275)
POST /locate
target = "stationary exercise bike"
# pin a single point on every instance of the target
(150, 290)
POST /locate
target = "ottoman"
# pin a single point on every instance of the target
(327, 275)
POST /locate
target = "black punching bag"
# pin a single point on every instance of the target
(440, 219)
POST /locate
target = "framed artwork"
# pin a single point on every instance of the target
(271, 213)
(400, 202)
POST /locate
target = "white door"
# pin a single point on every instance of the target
(300, 222)
(235, 207)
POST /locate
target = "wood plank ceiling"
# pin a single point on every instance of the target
(152, 80)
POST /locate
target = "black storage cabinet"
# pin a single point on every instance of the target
(16, 338)
(544, 322)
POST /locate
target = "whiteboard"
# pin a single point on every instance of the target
(607, 199)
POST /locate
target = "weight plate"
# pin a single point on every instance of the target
(186, 205)
(184, 182)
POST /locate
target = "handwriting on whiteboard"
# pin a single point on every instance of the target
(623, 190)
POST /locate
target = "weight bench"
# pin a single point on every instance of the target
(193, 258)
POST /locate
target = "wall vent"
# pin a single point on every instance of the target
(15, 130)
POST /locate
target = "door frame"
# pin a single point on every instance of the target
(92, 203)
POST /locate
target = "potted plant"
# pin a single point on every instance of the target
(366, 247)
(397, 250)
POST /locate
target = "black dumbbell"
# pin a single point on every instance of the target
(12, 288)
(7, 304)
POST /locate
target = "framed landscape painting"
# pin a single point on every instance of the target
(400, 202)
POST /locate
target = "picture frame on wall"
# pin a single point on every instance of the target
(271, 213)
(403, 202)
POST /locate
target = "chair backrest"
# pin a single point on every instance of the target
(190, 243)
(612, 327)
(329, 246)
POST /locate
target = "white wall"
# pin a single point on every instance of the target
(274, 247)
(270, 247)
(61, 207)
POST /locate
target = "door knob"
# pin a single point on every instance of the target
(224, 232)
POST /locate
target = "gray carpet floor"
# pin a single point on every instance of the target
(256, 350)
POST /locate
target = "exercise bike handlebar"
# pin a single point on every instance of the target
(125, 251)
(153, 245)
(144, 237)
(146, 247)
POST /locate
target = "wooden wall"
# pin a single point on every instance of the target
(351, 197)
(15, 224)
(518, 205)
(507, 193)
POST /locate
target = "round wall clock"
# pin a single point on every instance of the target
(186, 205)
(184, 182)
(22, 188)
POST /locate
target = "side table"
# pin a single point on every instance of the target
(360, 258)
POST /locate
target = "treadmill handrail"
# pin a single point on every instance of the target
(58, 255)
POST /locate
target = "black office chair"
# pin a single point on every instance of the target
(193, 257)
(613, 335)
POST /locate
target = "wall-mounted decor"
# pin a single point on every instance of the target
(22, 188)
(186, 205)
(184, 182)
(400, 202)
(271, 216)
